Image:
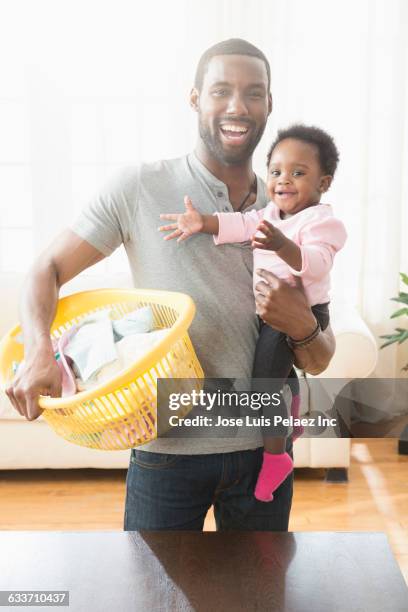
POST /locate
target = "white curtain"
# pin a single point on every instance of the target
(88, 86)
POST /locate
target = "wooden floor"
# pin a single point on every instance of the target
(374, 499)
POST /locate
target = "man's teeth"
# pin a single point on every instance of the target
(234, 128)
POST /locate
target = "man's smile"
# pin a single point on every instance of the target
(234, 132)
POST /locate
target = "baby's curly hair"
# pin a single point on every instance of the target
(327, 150)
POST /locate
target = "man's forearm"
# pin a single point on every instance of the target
(37, 307)
(40, 374)
(315, 357)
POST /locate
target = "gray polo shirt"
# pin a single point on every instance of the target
(218, 278)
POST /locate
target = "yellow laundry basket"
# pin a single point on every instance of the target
(120, 413)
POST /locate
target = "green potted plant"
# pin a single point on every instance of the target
(400, 333)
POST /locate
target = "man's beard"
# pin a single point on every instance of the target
(215, 147)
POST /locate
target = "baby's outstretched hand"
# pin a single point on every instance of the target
(272, 239)
(186, 224)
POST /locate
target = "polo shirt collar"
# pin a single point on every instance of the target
(217, 185)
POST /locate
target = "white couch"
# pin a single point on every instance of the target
(33, 445)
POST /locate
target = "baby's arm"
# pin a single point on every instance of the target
(189, 223)
(319, 242)
(225, 227)
(275, 240)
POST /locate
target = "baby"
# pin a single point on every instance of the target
(294, 235)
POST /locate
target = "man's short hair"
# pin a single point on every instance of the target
(233, 46)
(324, 143)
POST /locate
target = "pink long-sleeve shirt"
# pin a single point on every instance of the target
(315, 230)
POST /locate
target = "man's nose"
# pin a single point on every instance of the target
(236, 105)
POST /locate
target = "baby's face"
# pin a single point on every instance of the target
(295, 180)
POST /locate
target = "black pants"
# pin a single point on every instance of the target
(273, 365)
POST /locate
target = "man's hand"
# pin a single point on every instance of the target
(38, 376)
(283, 307)
(273, 239)
(187, 224)
(286, 309)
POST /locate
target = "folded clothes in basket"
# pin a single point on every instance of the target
(128, 350)
(99, 347)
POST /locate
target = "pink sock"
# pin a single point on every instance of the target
(298, 430)
(275, 469)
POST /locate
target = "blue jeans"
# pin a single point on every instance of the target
(174, 492)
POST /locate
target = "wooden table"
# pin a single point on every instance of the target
(180, 571)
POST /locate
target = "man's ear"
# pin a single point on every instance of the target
(270, 103)
(194, 98)
(325, 183)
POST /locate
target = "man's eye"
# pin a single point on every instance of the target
(256, 95)
(220, 92)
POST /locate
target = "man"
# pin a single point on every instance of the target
(171, 483)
